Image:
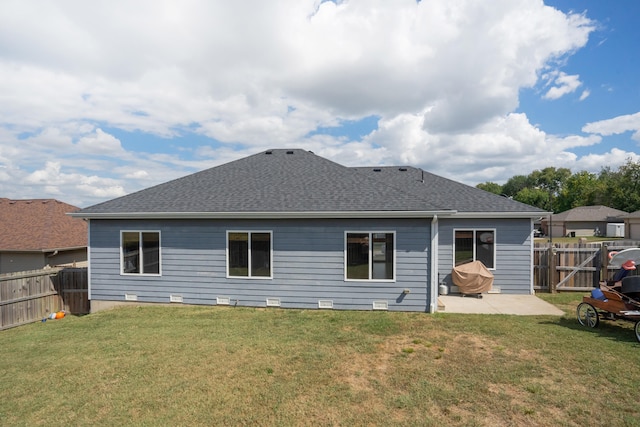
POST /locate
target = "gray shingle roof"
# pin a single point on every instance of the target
(445, 192)
(588, 213)
(299, 181)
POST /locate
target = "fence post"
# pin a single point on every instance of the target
(553, 271)
(597, 263)
(605, 263)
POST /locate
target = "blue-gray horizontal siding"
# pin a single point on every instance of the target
(513, 273)
(307, 265)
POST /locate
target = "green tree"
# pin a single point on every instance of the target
(552, 181)
(580, 189)
(624, 186)
(514, 185)
(534, 197)
(491, 187)
(609, 187)
(558, 190)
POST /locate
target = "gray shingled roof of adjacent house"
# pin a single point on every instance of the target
(284, 180)
(635, 214)
(589, 213)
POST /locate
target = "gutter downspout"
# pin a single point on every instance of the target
(532, 290)
(433, 306)
(89, 262)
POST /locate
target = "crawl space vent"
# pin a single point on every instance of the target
(273, 302)
(325, 303)
(380, 305)
(130, 297)
(223, 300)
(175, 298)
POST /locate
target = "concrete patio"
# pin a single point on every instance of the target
(524, 305)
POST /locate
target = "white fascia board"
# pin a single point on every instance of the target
(263, 215)
(476, 215)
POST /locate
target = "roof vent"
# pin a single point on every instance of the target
(290, 152)
(377, 170)
(268, 152)
(402, 169)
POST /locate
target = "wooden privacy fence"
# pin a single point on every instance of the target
(574, 267)
(30, 296)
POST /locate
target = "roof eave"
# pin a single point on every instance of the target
(505, 215)
(44, 250)
(263, 215)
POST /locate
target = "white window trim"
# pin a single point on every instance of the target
(495, 245)
(250, 232)
(371, 233)
(122, 273)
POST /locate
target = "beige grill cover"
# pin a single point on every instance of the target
(472, 278)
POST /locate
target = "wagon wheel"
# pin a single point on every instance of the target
(637, 329)
(587, 315)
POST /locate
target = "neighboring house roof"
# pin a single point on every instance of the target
(297, 182)
(635, 214)
(40, 225)
(588, 213)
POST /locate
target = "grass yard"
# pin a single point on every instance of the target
(240, 366)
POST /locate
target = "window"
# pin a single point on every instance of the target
(475, 245)
(249, 254)
(370, 256)
(140, 252)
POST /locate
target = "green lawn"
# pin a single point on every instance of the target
(238, 366)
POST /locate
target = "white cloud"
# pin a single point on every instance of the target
(614, 158)
(137, 174)
(620, 124)
(585, 94)
(564, 85)
(497, 150)
(100, 143)
(444, 77)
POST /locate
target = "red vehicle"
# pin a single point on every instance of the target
(617, 299)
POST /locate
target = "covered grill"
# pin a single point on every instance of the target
(472, 278)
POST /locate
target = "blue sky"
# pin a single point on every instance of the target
(608, 68)
(100, 99)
